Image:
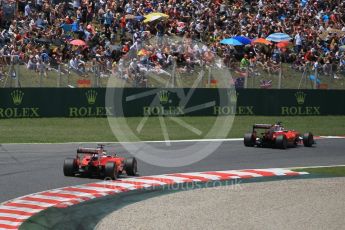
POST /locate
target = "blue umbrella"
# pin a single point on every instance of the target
(278, 37)
(243, 39)
(231, 41)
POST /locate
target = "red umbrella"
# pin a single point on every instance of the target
(283, 44)
(78, 42)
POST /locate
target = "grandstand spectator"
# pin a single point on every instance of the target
(27, 9)
(317, 29)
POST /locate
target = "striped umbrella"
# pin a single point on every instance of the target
(278, 37)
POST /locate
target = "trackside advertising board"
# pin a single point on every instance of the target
(100, 102)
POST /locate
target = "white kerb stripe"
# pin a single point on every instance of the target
(31, 210)
(45, 205)
(176, 179)
(80, 194)
(96, 189)
(21, 217)
(124, 185)
(303, 173)
(50, 197)
(277, 171)
(139, 185)
(242, 173)
(7, 222)
(146, 181)
(3, 228)
(205, 175)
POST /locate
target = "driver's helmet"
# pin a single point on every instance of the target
(277, 128)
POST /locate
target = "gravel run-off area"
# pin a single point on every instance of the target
(287, 204)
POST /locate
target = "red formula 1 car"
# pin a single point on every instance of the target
(275, 136)
(96, 161)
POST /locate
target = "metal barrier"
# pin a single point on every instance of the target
(15, 73)
(276, 75)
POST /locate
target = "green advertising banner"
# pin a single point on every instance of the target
(100, 102)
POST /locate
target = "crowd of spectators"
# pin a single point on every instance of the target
(39, 32)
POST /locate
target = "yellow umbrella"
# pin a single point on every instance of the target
(143, 52)
(155, 16)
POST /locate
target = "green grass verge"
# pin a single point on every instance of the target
(326, 171)
(44, 130)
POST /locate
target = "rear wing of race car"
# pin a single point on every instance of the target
(89, 151)
(262, 126)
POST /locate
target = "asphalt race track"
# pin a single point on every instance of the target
(27, 168)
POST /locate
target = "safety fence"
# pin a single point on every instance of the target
(269, 75)
(101, 102)
(275, 75)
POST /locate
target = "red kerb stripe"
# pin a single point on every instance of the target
(32, 206)
(164, 180)
(12, 219)
(92, 192)
(137, 183)
(292, 174)
(108, 186)
(8, 226)
(190, 177)
(10, 211)
(225, 176)
(48, 201)
(62, 195)
(262, 173)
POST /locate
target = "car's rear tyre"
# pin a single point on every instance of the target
(281, 142)
(249, 140)
(308, 139)
(69, 167)
(110, 170)
(131, 166)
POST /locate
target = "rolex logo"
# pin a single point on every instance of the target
(300, 97)
(163, 96)
(233, 97)
(91, 96)
(17, 97)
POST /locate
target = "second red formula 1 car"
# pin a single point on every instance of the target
(275, 136)
(96, 161)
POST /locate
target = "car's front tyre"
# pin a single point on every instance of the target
(308, 139)
(281, 142)
(131, 166)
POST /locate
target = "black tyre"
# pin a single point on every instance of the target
(249, 140)
(70, 167)
(281, 142)
(131, 166)
(110, 170)
(308, 139)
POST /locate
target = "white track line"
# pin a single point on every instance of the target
(172, 141)
(314, 167)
